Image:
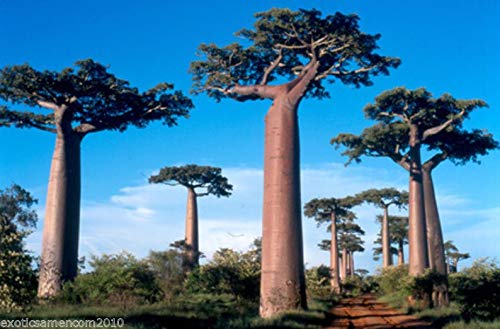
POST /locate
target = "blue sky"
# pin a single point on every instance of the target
(446, 46)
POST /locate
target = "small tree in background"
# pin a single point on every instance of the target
(453, 256)
(17, 276)
(398, 228)
(349, 242)
(200, 181)
(72, 104)
(307, 50)
(384, 198)
(334, 211)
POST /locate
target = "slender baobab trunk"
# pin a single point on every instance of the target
(435, 244)
(401, 255)
(59, 262)
(282, 276)
(334, 258)
(192, 228)
(343, 270)
(351, 263)
(417, 232)
(386, 240)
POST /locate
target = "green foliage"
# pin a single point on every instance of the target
(398, 233)
(17, 276)
(289, 40)
(96, 99)
(473, 325)
(357, 285)
(439, 121)
(477, 290)
(119, 280)
(318, 282)
(229, 272)
(385, 197)
(194, 176)
(169, 269)
(453, 255)
(322, 210)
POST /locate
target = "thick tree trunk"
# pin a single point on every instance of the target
(351, 263)
(437, 260)
(386, 240)
(343, 269)
(282, 277)
(59, 262)
(417, 232)
(334, 258)
(401, 255)
(192, 228)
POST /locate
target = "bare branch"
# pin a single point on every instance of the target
(433, 162)
(48, 105)
(271, 67)
(438, 129)
(259, 91)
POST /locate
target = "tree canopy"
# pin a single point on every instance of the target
(439, 121)
(384, 197)
(96, 99)
(193, 176)
(322, 209)
(281, 45)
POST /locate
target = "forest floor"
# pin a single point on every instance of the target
(367, 312)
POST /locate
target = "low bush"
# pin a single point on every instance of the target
(318, 282)
(119, 280)
(477, 290)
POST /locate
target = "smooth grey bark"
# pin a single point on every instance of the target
(417, 232)
(192, 239)
(59, 261)
(334, 257)
(386, 239)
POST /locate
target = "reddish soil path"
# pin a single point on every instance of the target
(366, 312)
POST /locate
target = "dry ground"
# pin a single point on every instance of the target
(366, 312)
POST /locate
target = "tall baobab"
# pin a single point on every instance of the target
(384, 198)
(334, 211)
(199, 181)
(308, 50)
(410, 118)
(77, 103)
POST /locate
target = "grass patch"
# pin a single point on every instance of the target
(473, 325)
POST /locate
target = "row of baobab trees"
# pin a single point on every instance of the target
(304, 48)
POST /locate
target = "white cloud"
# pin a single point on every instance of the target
(150, 217)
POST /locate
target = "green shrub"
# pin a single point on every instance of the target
(357, 285)
(477, 290)
(394, 279)
(230, 272)
(318, 282)
(119, 280)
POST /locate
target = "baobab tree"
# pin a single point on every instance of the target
(200, 181)
(349, 242)
(409, 120)
(453, 256)
(79, 102)
(334, 211)
(398, 231)
(384, 198)
(308, 50)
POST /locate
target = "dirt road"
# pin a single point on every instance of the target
(366, 312)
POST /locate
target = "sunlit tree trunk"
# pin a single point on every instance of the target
(59, 261)
(283, 283)
(192, 228)
(437, 259)
(334, 258)
(282, 276)
(386, 240)
(343, 269)
(401, 255)
(417, 232)
(351, 262)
